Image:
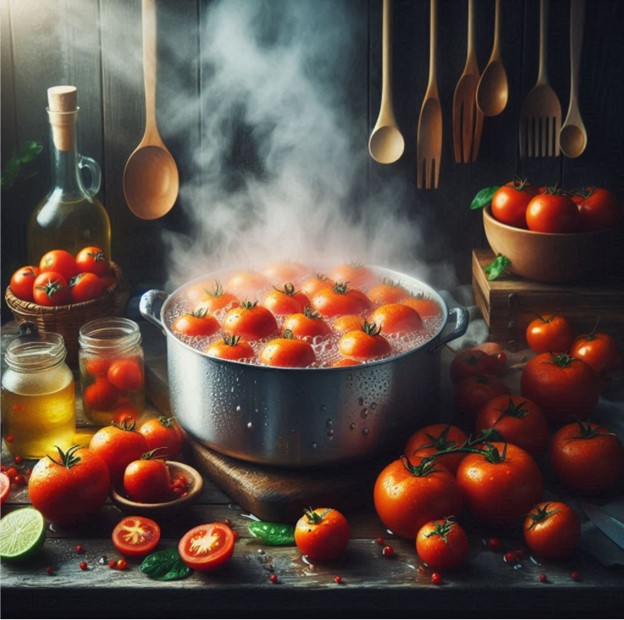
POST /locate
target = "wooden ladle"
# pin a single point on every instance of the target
(493, 87)
(573, 135)
(150, 179)
(386, 143)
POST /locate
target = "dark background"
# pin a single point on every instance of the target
(92, 42)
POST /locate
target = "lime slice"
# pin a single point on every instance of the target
(22, 533)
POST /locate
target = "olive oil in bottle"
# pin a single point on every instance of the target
(70, 217)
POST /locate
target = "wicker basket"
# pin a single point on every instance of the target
(67, 320)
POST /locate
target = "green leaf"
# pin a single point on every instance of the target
(17, 167)
(166, 565)
(29, 150)
(483, 197)
(497, 267)
(276, 534)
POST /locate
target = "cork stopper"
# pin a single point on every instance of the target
(62, 105)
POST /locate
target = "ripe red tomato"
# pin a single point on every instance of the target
(315, 283)
(69, 487)
(22, 282)
(101, 395)
(136, 536)
(285, 271)
(442, 544)
(50, 289)
(231, 348)
(85, 287)
(215, 299)
(287, 352)
(434, 438)
(356, 275)
(340, 299)
(474, 392)
(196, 323)
(322, 534)
(5, 486)
(550, 333)
(396, 318)
(366, 343)
(250, 321)
(406, 496)
(552, 530)
(59, 261)
(247, 284)
(286, 300)
(469, 362)
(118, 445)
(598, 349)
(519, 421)
(552, 212)
(509, 203)
(425, 306)
(388, 292)
(587, 458)
(126, 374)
(564, 387)
(501, 484)
(164, 433)
(91, 259)
(600, 209)
(147, 480)
(307, 324)
(207, 547)
(347, 323)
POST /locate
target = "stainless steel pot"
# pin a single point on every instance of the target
(300, 418)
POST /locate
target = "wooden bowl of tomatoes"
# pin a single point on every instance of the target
(186, 485)
(554, 251)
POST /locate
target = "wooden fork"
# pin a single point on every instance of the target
(429, 137)
(540, 113)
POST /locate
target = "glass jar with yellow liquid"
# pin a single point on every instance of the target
(71, 216)
(38, 396)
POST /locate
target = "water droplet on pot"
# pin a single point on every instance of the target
(329, 422)
(250, 425)
(352, 426)
(365, 431)
(314, 445)
(360, 401)
(364, 413)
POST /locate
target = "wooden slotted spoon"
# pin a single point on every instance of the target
(467, 118)
(540, 113)
(429, 137)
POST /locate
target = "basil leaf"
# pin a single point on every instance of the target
(276, 534)
(483, 197)
(497, 267)
(166, 565)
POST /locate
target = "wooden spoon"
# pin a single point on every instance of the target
(493, 88)
(150, 178)
(573, 135)
(386, 143)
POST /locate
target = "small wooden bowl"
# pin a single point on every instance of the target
(556, 257)
(163, 510)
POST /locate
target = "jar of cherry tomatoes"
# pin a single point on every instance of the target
(38, 395)
(112, 374)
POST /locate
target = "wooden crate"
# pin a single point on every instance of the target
(509, 303)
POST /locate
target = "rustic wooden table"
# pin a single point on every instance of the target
(372, 585)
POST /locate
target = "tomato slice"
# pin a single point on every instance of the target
(136, 536)
(207, 546)
(5, 486)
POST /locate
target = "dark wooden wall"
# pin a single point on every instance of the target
(96, 45)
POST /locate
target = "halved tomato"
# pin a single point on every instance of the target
(136, 536)
(206, 547)
(5, 486)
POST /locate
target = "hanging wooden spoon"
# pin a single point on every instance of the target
(150, 178)
(493, 88)
(386, 143)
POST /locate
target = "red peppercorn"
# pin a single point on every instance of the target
(18, 459)
(510, 557)
(338, 579)
(493, 543)
(83, 565)
(79, 549)
(50, 570)
(112, 563)
(9, 438)
(543, 578)
(575, 575)
(436, 579)
(388, 551)
(380, 540)
(273, 578)
(19, 479)
(121, 565)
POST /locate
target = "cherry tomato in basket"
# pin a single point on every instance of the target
(22, 282)
(366, 343)
(287, 351)
(286, 300)
(196, 323)
(552, 530)
(136, 536)
(250, 321)
(231, 348)
(340, 299)
(435, 438)
(126, 374)
(509, 203)
(396, 318)
(552, 212)
(5, 486)
(356, 275)
(207, 547)
(599, 209)
(442, 544)
(215, 299)
(500, 484)
(85, 287)
(50, 289)
(425, 306)
(564, 387)
(147, 479)
(469, 362)
(59, 261)
(163, 433)
(388, 292)
(91, 259)
(588, 458)
(408, 495)
(474, 392)
(322, 534)
(550, 332)
(307, 324)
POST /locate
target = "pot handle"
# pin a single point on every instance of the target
(461, 319)
(146, 306)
